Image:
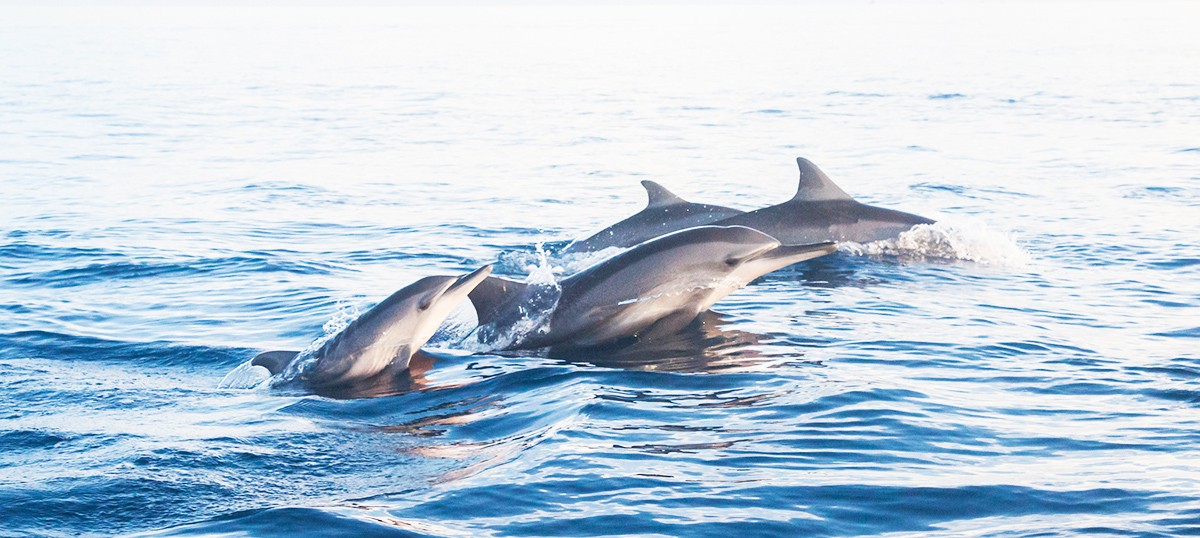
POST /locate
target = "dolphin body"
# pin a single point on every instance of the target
(384, 338)
(655, 288)
(664, 213)
(822, 211)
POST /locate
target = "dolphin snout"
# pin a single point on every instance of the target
(467, 282)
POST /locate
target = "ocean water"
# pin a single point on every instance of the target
(182, 188)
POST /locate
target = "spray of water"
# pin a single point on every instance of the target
(948, 240)
(536, 306)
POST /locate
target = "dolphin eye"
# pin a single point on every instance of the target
(731, 261)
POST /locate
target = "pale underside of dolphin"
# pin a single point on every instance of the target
(664, 213)
(822, 211)
(381, 340)
(656, 287)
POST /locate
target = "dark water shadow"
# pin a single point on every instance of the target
(387, 383)
(840, 270)
(708, 344)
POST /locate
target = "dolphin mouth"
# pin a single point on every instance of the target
(467, 282)
(801, 252)
(783, 256)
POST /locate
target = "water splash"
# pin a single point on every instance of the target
(948, 240)
(547, 262)
(346, 313)
(245, 376)
(537, 303)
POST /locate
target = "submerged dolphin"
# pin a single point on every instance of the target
(664, 213)
(658, 286)
(822, 211)
(384, 338)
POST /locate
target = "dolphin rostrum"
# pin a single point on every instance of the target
(657, 287)
(822, 211)
(664, 213)
(384, 338)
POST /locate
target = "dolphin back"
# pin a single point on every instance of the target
(665, 212)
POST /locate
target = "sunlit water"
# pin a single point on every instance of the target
(182, 189)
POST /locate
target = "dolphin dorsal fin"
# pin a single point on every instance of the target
(815, 185)
(491, 296)
(274, 361)
(659, 195)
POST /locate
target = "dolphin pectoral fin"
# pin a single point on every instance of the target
(669, 325)
(659, 196)
(274, 361)
(491, 296)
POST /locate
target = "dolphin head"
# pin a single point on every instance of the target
(439, 296)
(389, 333)
(742, 244)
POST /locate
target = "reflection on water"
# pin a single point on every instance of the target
(711, 343)
(388, 382)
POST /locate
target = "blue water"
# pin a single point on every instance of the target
(183, 188)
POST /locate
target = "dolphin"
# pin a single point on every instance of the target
(822, 211)
(657, 287)
(664, 213)
(383, 338)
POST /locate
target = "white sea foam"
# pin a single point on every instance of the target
(539, 302)
(949, 240)
(245, 376)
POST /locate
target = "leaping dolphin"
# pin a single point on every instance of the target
(384, 338)
(822, 211)
(658, 286)
(664, 213)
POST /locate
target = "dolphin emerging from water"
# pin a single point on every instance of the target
(664, 213)
(659, 286)
(384, 338)
(822, 211)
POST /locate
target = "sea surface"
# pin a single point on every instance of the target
(182, 188)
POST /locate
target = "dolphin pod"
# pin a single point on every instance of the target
(681, 258)
(819, 211)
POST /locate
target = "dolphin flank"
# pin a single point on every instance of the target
(822, 211)
(660, 285)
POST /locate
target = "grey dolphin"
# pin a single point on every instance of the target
(664, 213)
(384, 338)
(659, 286)
(822, 211)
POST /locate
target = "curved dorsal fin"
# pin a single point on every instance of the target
(274, 361)
(815, 185)
(659, 195)
(491, 296)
